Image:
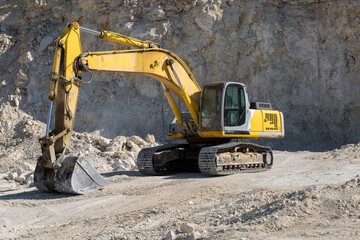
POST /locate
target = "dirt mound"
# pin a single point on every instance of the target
(346, 152)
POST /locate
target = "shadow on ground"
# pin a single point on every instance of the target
(179, 175)
(32, 195)
(127, 173)
(186, 175)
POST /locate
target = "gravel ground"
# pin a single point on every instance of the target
(314, 195)
(303, 196)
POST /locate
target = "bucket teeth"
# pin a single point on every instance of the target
(74, 176)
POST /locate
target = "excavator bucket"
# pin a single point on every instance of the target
(72, 175)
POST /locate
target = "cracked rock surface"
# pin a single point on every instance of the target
(301, 56)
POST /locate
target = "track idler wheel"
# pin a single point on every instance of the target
(73, 175)
(268, 159)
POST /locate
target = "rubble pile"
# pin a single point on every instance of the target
(116, 154)
(349, 151)
(19, 135)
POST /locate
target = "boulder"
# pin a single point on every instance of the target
(135, 149)
(131, 155)
(170, 235)
(138, 140)
(187, 228)
(130, 144)
(194, 236)
(150, 138)
(119, 154)
(104, 142)
(28, 167)
(3, 84)
(131, 162)
(20, 179)
(115, 146)
(121, 164)
(11, 176)
(26, 58)
(107, 154)
(21, 79)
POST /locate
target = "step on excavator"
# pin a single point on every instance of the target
(217, 114)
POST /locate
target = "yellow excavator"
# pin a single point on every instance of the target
(217, 114)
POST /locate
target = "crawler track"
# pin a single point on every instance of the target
(146, 164)
(208, 159)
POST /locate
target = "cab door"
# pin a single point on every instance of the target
(236, 109)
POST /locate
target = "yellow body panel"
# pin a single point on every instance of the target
(264, 124)
(217, 134)
(272, 121)
(257, 121)
(266, 121)
(221, 134)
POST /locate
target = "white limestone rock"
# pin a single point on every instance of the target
(150, 138)
(26, 58)
(104, 142)
(121, 164)
(138, 141)
(119, 154)
(28, 167)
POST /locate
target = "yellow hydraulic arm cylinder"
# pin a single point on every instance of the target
(172, 103)
(120, 38)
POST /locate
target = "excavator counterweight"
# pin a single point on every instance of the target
(217, 114)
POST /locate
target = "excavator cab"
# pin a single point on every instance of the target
(224, 107)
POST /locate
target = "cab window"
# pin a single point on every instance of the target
(211, 109)
(234, 109)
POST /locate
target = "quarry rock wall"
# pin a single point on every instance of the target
(300, 55)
